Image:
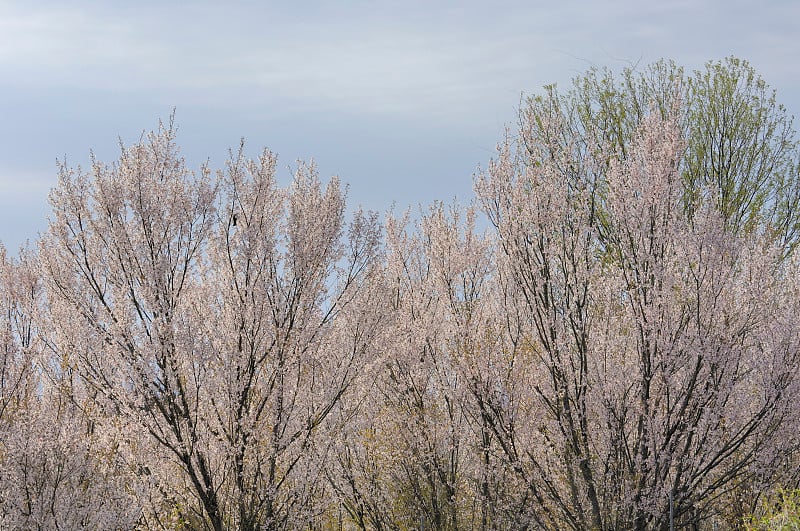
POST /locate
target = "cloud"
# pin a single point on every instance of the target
(359, 59)
(365, 58)
(329, 78)
(23, 186)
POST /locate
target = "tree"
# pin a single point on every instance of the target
(220, 323)
(663, 354)
(56, 470)
(619, 349)
(411, 456)
(741, 149)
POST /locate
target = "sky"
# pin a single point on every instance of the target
(402, 100)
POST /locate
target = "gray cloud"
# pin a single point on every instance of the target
(402, 99)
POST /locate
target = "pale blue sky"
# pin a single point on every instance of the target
(401, 100)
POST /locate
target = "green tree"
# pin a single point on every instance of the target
(779, 512)
(741, 147)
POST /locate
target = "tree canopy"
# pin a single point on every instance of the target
(741, 150)
(619, 349)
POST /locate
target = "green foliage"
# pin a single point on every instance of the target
(741, 151)
(779, 512)
(740, 146)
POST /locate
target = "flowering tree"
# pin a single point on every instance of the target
(56, 470)
(619, 350)
(292, 293)
(662, 357)
(222, 322)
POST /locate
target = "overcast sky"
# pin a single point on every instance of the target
(402, 100)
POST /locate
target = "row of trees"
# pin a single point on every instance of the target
(620, 348)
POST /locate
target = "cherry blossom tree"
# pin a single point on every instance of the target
(619, 348)
(56, 470)
(661, 357)
(292, 291)
(416, 454)
(223, 322)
